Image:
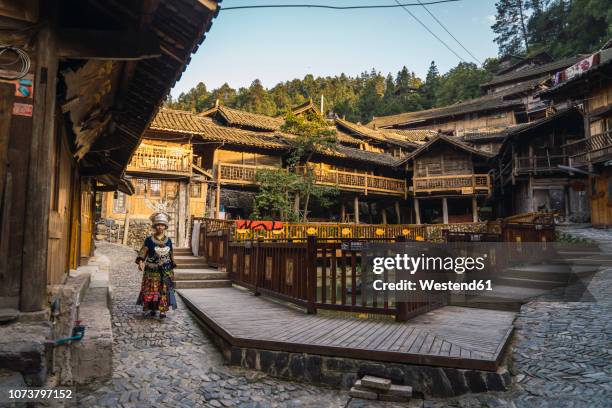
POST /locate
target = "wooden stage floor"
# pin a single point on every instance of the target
(447, 337)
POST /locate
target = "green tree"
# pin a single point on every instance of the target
(431, 86)
(511, 27)
(461, 83)
(274, 198)
(311, 135)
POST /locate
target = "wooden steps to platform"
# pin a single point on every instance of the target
(193, 272)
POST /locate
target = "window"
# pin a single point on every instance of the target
(155, 188)
(119, 202)
(140, 187)
(195, 190)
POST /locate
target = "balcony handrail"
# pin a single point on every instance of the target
(338, 178)
(162, 158)
(476, 181)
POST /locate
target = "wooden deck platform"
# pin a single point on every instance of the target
(447, 337)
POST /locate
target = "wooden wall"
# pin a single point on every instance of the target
(601, 199)
(248, 158)
(58, 257)
(458, 124)
(443, 160)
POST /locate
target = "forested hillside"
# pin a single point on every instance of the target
(522, 27)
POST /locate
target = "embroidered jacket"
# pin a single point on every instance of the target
(157, 254)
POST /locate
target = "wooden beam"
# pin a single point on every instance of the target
(7, 94)
(444, 210)
(33, 294)
(107, 45)
(209, 4)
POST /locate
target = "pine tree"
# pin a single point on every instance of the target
(432, 83)
(511, 27)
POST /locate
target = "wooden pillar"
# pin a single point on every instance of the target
(417, 211)
(474, 209)
(356, 204)
(383, 212)
(342, 212)
(205, 192)
(34, 267)
(444, 210)
(218, 200)
(182, 214)
(398, 214)
(531, 207)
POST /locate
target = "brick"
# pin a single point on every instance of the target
(355, 393)
(376, 383)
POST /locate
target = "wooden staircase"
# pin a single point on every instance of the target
(192, 272)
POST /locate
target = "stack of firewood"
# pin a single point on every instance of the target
(375, 388)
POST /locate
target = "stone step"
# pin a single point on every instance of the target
(603, 261)
(191, 265)
(528, 283)
(182, 251)
(198, 274)
(554, 273)
(202, 284)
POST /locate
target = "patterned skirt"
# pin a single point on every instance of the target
(157, 290)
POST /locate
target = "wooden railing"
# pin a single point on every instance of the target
(535, 164)
(345, 180)
(318, 274)
(591, 149)
(245, 174)
(157, 159)
(462, 183)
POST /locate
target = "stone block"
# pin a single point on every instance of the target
(475, 381)
(457, 380)
(7, 315)
(313, 368)
(357, 393)
(494, 382)
(92, 356)
(376, 383)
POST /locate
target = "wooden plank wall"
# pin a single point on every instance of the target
(601, 199)
(60, 210)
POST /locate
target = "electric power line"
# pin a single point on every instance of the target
(448, 32)
(335, 7)
(430, 32)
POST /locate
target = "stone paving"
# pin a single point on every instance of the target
(561, 357)
(562, 352)
(171, 363)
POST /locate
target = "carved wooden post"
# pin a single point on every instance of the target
(311, 273)
(401, 307)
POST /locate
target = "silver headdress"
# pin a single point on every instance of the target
(160, 218)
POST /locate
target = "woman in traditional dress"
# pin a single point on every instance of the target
(156, 259)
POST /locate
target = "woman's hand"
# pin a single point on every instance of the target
(141, 265)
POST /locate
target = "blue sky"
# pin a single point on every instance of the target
(281, 44)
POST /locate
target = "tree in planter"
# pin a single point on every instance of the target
(281, 191)
(310, 134)
(275, 196)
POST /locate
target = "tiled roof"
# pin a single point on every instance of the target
(494, 101)
(451, 140)
(417, 136)
(344, 137)
(352, 153)
(360, 130)
(539, 70)
(605, 59)
(235, 117)
(169, 120)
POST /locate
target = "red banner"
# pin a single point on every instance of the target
(259, 225)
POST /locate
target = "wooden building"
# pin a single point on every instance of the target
(528, 175)
(489, 111)
(589, 87)
(99, 71)
(450, 181)
(231, 145)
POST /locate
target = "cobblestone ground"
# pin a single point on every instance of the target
(171, 363)
(562, 357)
(562, 353)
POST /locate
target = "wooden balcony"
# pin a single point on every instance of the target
(593, 149)
(360, 182)
(161, 160)
(465, 184)
(538, 164)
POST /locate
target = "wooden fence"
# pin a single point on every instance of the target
(318, 268)
(319, 274)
